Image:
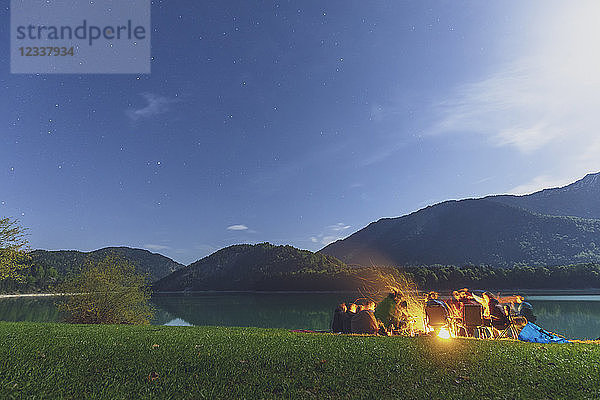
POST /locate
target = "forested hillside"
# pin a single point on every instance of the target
(261, 267)
(475, 231)
(48, 268)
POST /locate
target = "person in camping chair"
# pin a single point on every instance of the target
(456, 305)
(466, 297)
(433, 300)
(436, 312)
(523, 309)
(495, 311)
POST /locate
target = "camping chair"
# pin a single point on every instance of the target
(437, 317)
(511, 330)
(473, 320)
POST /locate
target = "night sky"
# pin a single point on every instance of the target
(300, 122)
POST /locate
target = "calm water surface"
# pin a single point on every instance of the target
(573, 315)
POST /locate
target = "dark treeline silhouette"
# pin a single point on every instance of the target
(37, 278)
(578, 276)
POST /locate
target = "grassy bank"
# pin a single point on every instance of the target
(73, 361)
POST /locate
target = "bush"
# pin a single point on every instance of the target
(107, 292)
(13, 249)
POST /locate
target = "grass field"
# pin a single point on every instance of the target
(126, 362)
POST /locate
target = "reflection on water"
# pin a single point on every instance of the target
(266, 310)
(574, 316)
(178, 322)
(565, 298)
(573, 319)
(38, 309)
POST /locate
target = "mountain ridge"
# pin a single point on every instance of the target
(51, 267)
(550, 227)
(154, 264)
(262, 266)
(578, 199)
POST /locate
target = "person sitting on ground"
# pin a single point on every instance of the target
(364, 322)
(387, 311)
(337, 325)
(403, 316)
(524, 309)
(351, 309)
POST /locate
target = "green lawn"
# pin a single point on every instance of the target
(44, 361)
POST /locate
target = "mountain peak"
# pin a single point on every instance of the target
(579, 199)
(590, 180)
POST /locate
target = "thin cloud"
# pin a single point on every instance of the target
(325, 240)
(237, 228)
(513, 107)
(382, 154)
(538, 183)
(156, 105)
(329, 239)
(330, 234)
(483, 180)
(340, 226)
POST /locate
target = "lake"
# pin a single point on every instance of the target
(575, 315)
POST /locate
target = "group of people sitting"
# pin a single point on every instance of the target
(391, 316)
(365, 317)
(495, 315)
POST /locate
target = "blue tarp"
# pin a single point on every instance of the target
(535, 334)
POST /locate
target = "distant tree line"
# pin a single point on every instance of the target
(578, 276)
(268, 267)
(36, 278)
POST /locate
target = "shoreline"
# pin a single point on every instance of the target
(10, 296)
(527, 292)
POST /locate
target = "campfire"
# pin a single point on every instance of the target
(444, 333)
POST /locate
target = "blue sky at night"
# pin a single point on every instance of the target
(301, 122)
